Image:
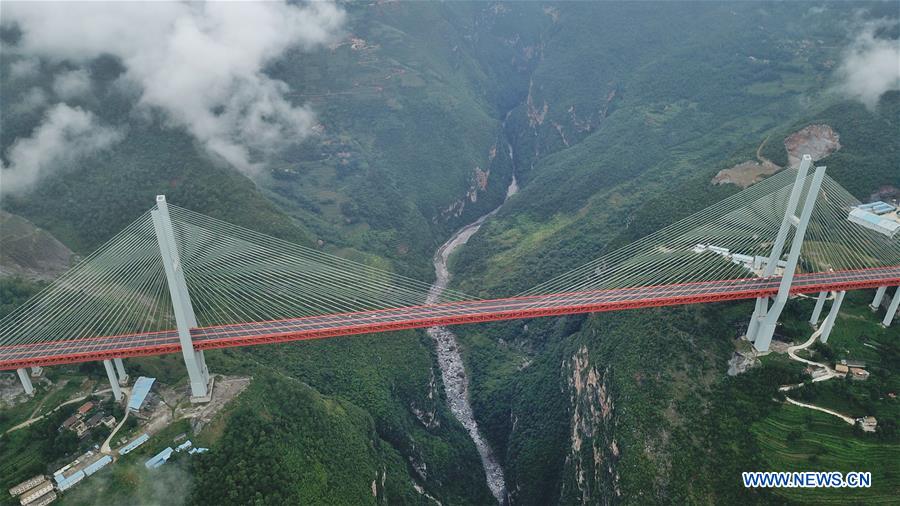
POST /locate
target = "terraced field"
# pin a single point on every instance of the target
(824, 443)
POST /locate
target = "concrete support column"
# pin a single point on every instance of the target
(113, 381)
(879, 294)
(120, 371)
(770, 320)
(817, 311)
(892, 309)
(762, 303)
(26, 381)
(185, 319)
(828, 324)
(37, 371)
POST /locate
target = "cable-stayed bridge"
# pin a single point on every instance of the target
(178, 281)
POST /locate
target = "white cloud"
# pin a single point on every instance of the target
(66, 135)
(870, 66)
(33, 100)
(24, 68)
(816, 10)
(201, 64)
(72, 84)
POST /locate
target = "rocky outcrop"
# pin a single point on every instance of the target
(478, 184)
(427, 415)
(817, 141)
(741, 363)
(593, 453)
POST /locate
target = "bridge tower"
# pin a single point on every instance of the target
(764, 319)
(181, 301)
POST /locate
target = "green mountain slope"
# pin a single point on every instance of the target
(628, 407)
(617, 116)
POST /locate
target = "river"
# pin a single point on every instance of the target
(456, 383)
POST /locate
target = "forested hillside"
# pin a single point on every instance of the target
(614, 117)
(636, 407)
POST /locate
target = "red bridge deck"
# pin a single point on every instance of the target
(318, 327)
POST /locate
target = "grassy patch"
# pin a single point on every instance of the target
(797, 439)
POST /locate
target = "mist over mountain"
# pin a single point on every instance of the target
(375, 132)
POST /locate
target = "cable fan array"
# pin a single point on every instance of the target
(234, 275)
(239, 277)
(119, 289)
(833, 242)
(723, 241)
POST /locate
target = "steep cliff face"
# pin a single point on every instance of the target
(593, 451)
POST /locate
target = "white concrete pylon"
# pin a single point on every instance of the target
(879, 295)
(828, 324)
(26, 381)
(892, 308)
(113, 381)
(762, 303)
(817, 311)
(185, 319)
(770, 320)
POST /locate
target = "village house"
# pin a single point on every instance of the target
(867, 423)
(85, 408)
(72, 420)
(858, 374)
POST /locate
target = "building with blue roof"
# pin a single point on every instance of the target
(159, 459)
(139, 393)
(125, 450)
(64, 483)
(881, 224)
(98, 465)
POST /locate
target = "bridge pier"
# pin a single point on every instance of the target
(113, 381)
(828, 324)
(892, 309)
(817, 311)
(185, 318)
(26, 381)
(120, 371)
(879, 295)
(763, 323)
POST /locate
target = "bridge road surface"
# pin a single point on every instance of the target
(317, 327)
